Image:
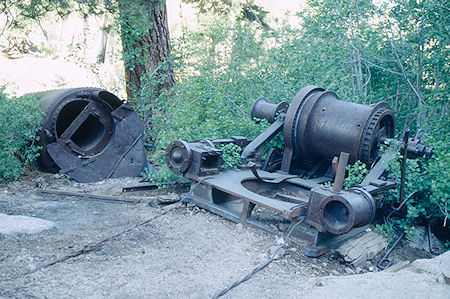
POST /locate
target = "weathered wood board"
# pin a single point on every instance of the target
(358, 250)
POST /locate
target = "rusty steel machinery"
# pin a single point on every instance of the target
(91, 135)
(278, 188)
(320, 126)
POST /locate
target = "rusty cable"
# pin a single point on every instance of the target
(260, 267)
(400, 206)
(385, 262)
(97, 245)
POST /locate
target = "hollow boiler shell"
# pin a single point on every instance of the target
(91, 135)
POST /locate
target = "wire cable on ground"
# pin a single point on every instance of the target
(259, 268)
(97, 245)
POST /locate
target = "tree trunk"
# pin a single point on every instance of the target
(356, 56)
(146, 45)
(104, 42)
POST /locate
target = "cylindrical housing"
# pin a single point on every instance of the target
(265, 110)
(325, 126)
(339, 213)
(179, 156)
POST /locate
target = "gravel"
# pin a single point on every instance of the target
(188, 253)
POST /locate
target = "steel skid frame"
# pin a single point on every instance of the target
(231, 194)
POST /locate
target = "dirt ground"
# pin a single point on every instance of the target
(188, 253)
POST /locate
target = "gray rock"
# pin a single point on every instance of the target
(334, 272)
(40, 182)
(420, 240)
(349, 271)
(12, 224)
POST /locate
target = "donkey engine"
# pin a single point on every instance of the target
(275, 189)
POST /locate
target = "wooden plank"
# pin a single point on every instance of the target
(357, 251)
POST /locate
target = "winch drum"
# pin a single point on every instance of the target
(320, 126)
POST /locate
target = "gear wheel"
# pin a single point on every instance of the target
(379, 126)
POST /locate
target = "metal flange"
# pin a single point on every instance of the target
(178, 156)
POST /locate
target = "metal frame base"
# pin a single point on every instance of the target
(229, 202)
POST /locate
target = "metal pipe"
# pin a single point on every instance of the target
(403, 169)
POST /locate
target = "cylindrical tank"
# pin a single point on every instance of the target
(320, 126)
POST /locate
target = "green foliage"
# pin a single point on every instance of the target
(231, 155)
(436, 171)
(218, 7)
(21, 14)
(217, 103)
(134, 22)
(20, 120)
(387, 230)
(430, 178)
(161, 176)
(355, 174)
(416, 179)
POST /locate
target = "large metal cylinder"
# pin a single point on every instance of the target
(320, 126)
(90, 134)
(339, 213)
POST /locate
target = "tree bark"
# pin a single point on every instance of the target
(104, 42)
(146, 50)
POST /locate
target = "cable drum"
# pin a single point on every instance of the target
(320, 126)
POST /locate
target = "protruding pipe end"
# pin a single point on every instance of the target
(263, 110)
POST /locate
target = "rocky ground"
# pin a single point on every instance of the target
(188, 253)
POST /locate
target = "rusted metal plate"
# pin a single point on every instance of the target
(91, 135)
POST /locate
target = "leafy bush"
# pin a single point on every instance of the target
(231, 155)
(436, 171)
(20, 120)
(355, 174)
(431, 179)
(161, 176)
